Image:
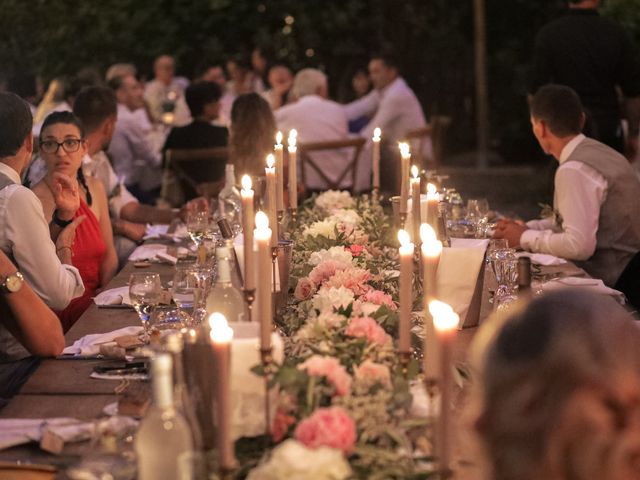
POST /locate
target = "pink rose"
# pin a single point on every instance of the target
(328, 427)
(355, 250)
(371, 373)
(379, 298)
(355, 279)
(325, 270)
(280, 425)
(329, 367)
(304, 289)
(368, 328)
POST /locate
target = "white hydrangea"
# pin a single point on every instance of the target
(338, 254)
(326, 228)
(292, 460)
(348, 217)
(334, 199)
(329, 298)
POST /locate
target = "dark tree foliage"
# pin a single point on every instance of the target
(433, 40)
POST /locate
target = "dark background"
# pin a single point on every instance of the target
(433, 41)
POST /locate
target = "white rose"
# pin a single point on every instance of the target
(333, 199)
(348, 217)
(339, 254)
(329, 298)
(291, 459)
(326, 228)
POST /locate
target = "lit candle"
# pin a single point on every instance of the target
(293, 169)
(415, 204)
(247, 228)
(278, 149)
(270, 173)
(406, 287)
(221, 335)
(446, 325)
(405, 158)
(376, 157)
(262, 235)
(433, 198)
(431, 250)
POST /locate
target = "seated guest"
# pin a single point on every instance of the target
(241, 78)
(54, 100)
(165, 93)
(558, 391)
(25, 236)
(281, 81)
(317, 119)
(203, 101)
(135, 161)
(357, 86)
(120, 70)
(596, 198)
(62, 147)
(260, 69)
(215, 74)
(251, 134)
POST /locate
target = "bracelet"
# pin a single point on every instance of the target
(59, 222)
(62, 248)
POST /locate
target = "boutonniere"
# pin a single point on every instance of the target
(548, 211)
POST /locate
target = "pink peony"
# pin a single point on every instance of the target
(280, 425)
(356, 250)
(324, 271)
(355, 279)
(328, 427)
(371, 373)
(329, 367)
(304, 289)
(379, 298)
(367, 327)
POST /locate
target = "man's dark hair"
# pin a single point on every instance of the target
(94, 105)
(388, 59)
(116, 82)
(559, 107)
(199, 94)
(16, 123)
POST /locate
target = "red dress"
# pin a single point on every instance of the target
(87, 253)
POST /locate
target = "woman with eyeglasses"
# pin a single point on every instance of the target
(62, 147)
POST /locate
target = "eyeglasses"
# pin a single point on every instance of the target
(69, 145)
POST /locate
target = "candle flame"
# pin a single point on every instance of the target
(262, 221)
(404, 149)
(376, 133)
(220, 330)
(246, 182)
(292, 141)
(279, 138)
(414, 171)
(271, 160)
(431, 188)
(293, 133)
(427, 233)
(444, 318)
(403, 237)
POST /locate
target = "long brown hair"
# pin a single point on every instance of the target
(253, 129)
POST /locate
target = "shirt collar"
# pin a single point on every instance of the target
(10, 172)
(570, 147)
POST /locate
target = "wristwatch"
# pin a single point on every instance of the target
(11, 283)
(58, 221)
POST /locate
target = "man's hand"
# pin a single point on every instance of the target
(511, 231)
(197, 204)
(133, 231)
(66, 196)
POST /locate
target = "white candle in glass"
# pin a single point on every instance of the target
(279, 151)
(416, 218)
(433, 198)
(262, 235)
(406, 286)
(376, 157)
(293, 169)
(431, 251)
(248, 219)
(405, 158)
(270, 173)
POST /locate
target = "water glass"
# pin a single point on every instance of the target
(167, 317)
(185, 284)
(504, 263)
(145, 290)
(478, 214)
(198, 226)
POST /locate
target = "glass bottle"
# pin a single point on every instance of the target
(224, 296)
(229, 202)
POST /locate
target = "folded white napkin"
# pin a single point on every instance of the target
(150, 251)
(543, 259)
(593, 285)
(113, 296)
(89, 345)
(478, 243)
(155, 231)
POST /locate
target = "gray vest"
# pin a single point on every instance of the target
(10, 348)
(618, 236)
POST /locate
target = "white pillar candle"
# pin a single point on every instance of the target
(279, 150)
(375, 167)
(405, 158)
(406, 284)
(293, 169)
(262, 236)
(416, 219)
(270, 204)
(433, 198)
(248, 220)
(431, 251)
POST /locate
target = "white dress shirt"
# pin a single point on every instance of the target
(580, 192)
(134, 159)
(99, 166)
(318, 120)
(156, 93)
(24, 237)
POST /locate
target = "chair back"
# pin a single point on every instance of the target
(350, 169)
(436, 131)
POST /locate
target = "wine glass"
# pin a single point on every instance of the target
(478, 214)
(198, 226)
(145, 290)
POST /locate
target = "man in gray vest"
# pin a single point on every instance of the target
(25, 238)
(596, 202)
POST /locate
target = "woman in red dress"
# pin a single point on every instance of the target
(62, 147)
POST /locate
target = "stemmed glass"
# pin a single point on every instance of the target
(478, 214)
(145, 290)
(198, 226)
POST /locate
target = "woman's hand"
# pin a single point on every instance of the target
(66, 195)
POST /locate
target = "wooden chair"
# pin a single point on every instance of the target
(351, 168)
(435, 130)
(200, 168)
